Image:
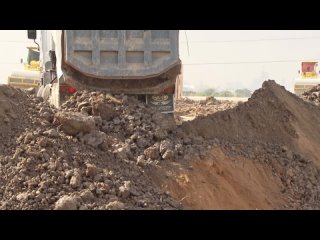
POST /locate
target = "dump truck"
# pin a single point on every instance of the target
(308, 77)
(143, 63)
(29, 74)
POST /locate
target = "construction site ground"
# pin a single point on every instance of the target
(101, 151)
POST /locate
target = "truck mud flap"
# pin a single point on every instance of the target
(162, 102)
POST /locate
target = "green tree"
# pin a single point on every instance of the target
(226, 94)
(243, 92)
(209, 92)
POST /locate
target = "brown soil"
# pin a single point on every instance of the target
(44, 166)
(267, 156)
(271, 115)
(262, 154)
(12, 115)
(223, 182)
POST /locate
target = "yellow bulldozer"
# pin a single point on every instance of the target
(29, 75)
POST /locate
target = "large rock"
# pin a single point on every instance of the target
(104, 110)
(74, 123)
(87, 196)
(141, 161)
(152, 152)
(164, 146)
(75, 180)
(94, 138)
(66, 203)
(91, 170)
(124, 191)
(22, 197)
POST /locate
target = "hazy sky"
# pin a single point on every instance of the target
(12, 48)
(218, 50)
(224, 47)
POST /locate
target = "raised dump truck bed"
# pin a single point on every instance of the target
(140, 62)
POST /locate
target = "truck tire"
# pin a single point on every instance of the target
(39, 93)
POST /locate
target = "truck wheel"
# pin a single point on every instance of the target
(39, 93)
(46, 92)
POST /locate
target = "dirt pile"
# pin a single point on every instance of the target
(313, 95)
(299, 176)
(132, 123)
(275, 135)
(85, 156)
(12, 112)
(224, 175)
(113, 152)
(271, 115)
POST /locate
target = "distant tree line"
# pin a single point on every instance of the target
(225, 93)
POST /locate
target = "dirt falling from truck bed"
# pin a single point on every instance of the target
(271, 115)
(73, 160)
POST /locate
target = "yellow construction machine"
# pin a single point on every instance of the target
(29, 75)
(308, 77)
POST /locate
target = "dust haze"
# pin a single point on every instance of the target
(212, 46)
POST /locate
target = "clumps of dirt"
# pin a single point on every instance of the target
(101, 151)
(122, 122)
(84, 156)
(313, 95)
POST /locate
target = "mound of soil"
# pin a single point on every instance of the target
(262, 154)
(101, 151)
(271, 115)
(224, 182)
(13, 115)
(87, 155)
